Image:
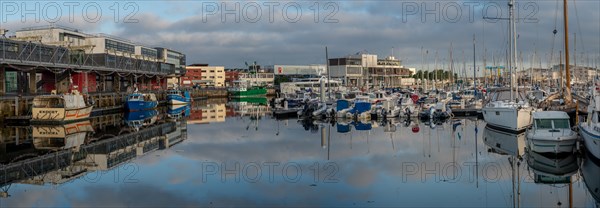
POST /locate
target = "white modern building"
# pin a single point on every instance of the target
(297, 70)
(368, 70)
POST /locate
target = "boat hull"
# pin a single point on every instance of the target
(556, 145)
(141, 105)
(591, 139)
(253, 92)
(177, 99)
(508, 119)
(60, 114)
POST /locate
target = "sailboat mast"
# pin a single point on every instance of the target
(567, 71)
(510, 48)
(328, 74)
(514, 49)
(474, 66)
(452, 69)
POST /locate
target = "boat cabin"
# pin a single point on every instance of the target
(551, 120)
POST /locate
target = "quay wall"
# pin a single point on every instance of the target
(17, 106)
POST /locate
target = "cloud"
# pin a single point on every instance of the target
(375, 26)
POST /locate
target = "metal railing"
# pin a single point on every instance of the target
(23, 55)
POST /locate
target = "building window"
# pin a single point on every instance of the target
(149, 53)
(118, 46)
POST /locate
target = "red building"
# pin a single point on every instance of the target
(231, 76)
(193, 72)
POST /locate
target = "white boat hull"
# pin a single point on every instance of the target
(508, 118)
(591, 138)
(547, 144)
(177, 102)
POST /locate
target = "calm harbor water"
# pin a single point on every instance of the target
(236, 155)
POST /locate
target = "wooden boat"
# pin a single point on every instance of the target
(60, 107)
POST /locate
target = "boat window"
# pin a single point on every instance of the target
(561, 124)
(543, 123)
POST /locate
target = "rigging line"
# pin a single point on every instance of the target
(554, 31)
(578, 28)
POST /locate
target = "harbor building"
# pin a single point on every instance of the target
(256, 74)
(231, 75)
(361, 70)
(579, 74)
(204, 75)
(314, 70)
(41, 59)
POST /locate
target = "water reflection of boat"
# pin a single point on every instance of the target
(252, 100)
(504, 143)
(360, 126)
(556, 169)
(139, 119)
(178, 111)
(590, 170)
(343, 127)
(64, 136)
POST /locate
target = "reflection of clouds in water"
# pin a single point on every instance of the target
(139, 195)
(370, 173)
(31, 196)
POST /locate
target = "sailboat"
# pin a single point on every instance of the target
(510, 113)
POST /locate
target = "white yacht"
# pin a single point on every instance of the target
(507, 115)
(590, 130)
(551, 133)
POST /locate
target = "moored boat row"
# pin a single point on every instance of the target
(75, 106)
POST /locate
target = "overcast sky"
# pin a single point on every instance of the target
(296, 32)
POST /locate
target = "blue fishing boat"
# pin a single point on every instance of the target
(141, 101)
(178, 97)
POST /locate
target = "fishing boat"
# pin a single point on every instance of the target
(243, 89)
(178, 97)
(60, 107)
(590, 130)
(67, 136)
(141, 101)
(551, 133)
